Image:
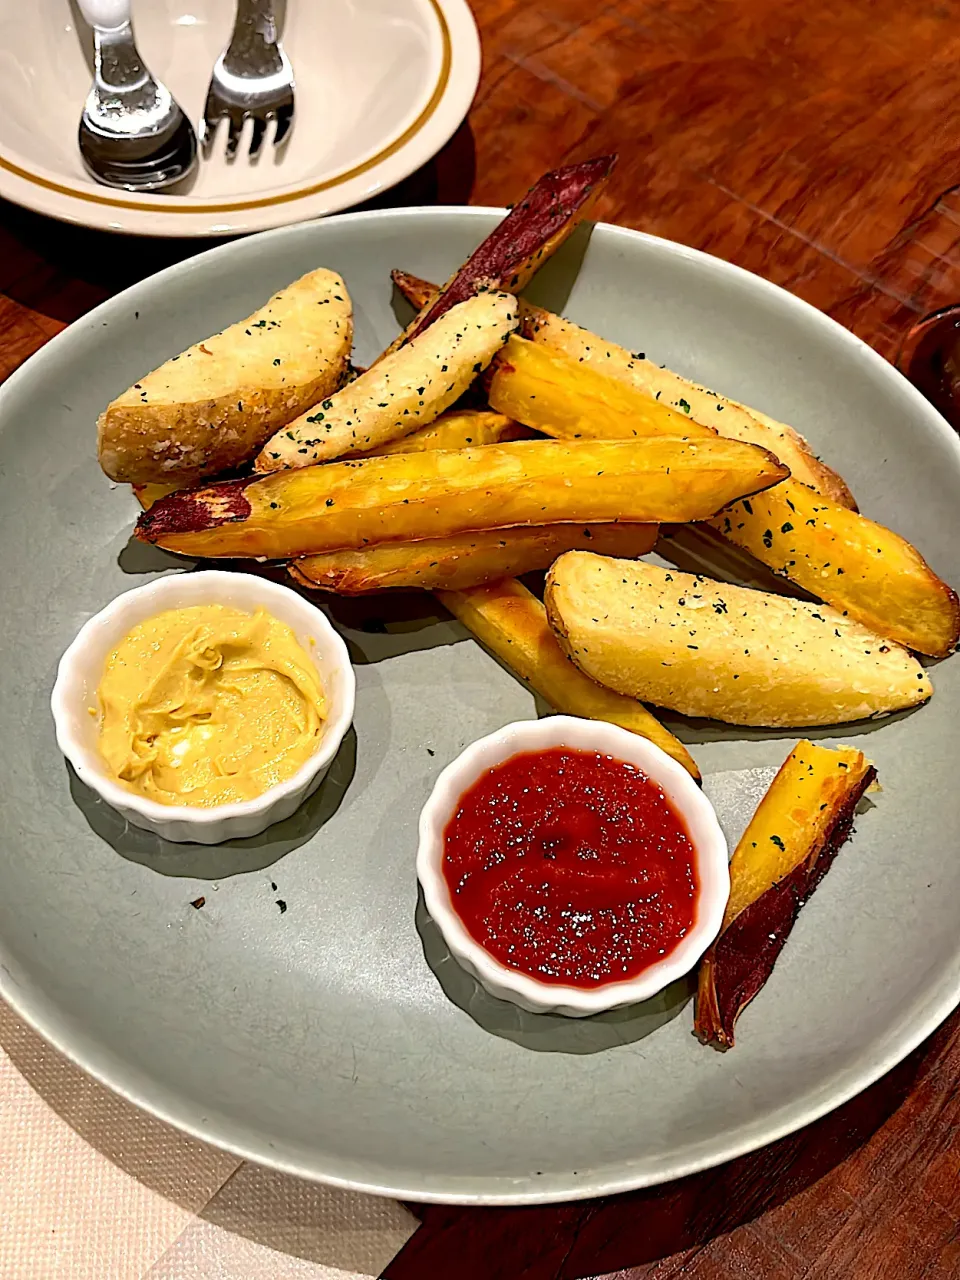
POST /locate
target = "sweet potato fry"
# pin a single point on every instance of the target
(854, 564)
(455, 429)
(531, 233)
(551, 393)
(594, 354)
(466, 560)
(438, 494)
(727, 417)
(711, 649)
(401, 393)
(565, 378)
(859, 567)
(785, 852)
(511, 623)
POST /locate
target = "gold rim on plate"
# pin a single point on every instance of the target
(236, 206)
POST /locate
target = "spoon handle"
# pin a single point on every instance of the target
(105, 15)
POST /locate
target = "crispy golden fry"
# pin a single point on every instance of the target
(785, 852)
(467, 559)
(518, 246)
(401, 393)
(511, 623)
(210, 408)
(852, 563)
(455, 429)
(791, 447)
(435, 494)
(706, 648)
(718, 413)
(607, 393)
(549, 392)
(438, 494)
(859, 567)
(592, 353)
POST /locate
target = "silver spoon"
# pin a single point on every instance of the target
(132, 132)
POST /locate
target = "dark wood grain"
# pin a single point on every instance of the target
(818, 145)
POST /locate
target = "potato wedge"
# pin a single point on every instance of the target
(211, 408)
(591, 352)
(861, 568)
(467, 559)
(852, 563)
(509, 621)
(518, 246)
(437, 494)
(401, 393)
(706, 648)
(455, 429)
(787, 849)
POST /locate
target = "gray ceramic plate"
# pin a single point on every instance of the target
(333, 1038)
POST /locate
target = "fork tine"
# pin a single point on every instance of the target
(284, 121)
(234, 130)
(208, 125)
(256, 137)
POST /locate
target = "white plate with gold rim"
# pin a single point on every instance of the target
(381, 86)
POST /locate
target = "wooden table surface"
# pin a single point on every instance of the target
(817, 145)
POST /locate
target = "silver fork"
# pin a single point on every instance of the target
(252, 80)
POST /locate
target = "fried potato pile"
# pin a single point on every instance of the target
(493, 439)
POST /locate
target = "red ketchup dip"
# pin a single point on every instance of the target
(571, 866)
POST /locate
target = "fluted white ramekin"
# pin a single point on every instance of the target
(81, 669)
(710, 860)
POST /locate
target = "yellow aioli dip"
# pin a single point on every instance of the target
(208, 705)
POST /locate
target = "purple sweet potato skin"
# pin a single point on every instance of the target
(193, 510)
(548, 210)
(744, 955)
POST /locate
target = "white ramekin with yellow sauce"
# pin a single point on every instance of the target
(78, 709)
